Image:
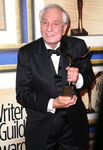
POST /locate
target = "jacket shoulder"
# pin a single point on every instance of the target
(32, 46)
(72, 39)
(74, 46)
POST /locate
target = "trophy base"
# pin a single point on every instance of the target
(69, 91)
(76, 32)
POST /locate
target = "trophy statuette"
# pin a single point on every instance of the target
(80, 30)
(69, 88)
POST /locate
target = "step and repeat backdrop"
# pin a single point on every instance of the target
(12, 121)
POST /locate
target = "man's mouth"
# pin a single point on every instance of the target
(49, 35)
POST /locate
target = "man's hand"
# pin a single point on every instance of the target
(64, 101)
(72, 74)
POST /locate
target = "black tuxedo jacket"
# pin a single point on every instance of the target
(35, 85)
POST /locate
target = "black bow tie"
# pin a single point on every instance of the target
(50, 52)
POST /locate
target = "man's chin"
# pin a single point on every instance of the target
(51, 42)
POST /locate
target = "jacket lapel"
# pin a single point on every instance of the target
(48, 67)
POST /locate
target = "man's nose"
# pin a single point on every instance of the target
(49, 27)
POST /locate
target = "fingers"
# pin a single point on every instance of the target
(64, 101)
(72, 74)
(72, 101)
(61, 102)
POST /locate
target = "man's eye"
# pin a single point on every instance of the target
(56, 23)
(44, 22)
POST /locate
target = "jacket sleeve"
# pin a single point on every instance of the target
(85, 66)
(25, 94)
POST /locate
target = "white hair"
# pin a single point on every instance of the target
(65, 15)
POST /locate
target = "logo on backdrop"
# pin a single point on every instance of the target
(12, 127)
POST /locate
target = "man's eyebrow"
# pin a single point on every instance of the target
(57, 21)
(44, 19)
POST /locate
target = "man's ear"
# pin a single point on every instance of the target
(65, 28)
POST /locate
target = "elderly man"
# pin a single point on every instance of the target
(54, 121)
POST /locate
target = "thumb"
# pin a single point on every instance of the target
(67, 67)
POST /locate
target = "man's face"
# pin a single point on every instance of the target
(52, 27)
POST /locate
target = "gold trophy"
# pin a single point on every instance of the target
(80, 31)
(69, 88)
